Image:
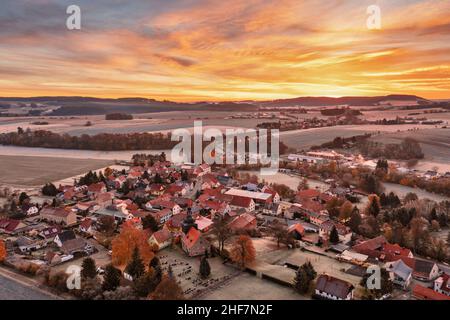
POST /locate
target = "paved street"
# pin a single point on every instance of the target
(13, 290)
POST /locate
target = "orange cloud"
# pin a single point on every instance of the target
(223, 50)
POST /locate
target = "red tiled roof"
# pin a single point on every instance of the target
(162, 235)
(395, 249)
(191, 238)
(9, 225)
(297, 227)
(96, 187)
(242, 222)
(86, 223)
(308, 193)
(371, 244)
(242, 202)
(423, 293)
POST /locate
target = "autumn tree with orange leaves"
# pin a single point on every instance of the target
(2, 251)
(129, 238)
(167, 289)
(243, 252)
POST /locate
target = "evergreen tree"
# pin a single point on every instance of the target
(88, 268)
(23, 196)
(433, 214)
(135, 267)
(170, 272)
(374, 207)
(111, 279)
(301, 281)
(49, 190)
(155, 264)
(334, 236)
(309, 269)
(355, 220)
(205, 268)
(157, 178)
(148, 222)
(146, 284)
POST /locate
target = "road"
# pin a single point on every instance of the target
(13, 289)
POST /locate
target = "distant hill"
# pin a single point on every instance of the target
(72, 106)
(351, 101)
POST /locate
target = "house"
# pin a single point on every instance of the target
(31, 211)
(63, 237)
(424, 270)
(400, 273)
(208, 181)
(97, 188)
(317, 218)
(12, 226)
(307, 195)
(260, 198)
(345, 235)
(332, 288)
(104, 199)
(162, 216)
(113, 211)
(58, 215)
(396, 250)
(88, 207)
(442, 284)
(297, 231)
(86, 226)
(202, 170)
(163, 204)
(155, 189)
(275, 196)
(26, 244)
(193, 243)
(422, 293)
(160, 239)
(243, 222)
(242, 202)
(371, 247)
(50, 233)
(76, 245)
(203, 224)
(273, 209)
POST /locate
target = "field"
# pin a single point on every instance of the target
(35, 171)
(435, 144)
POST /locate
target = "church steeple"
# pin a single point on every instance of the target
(189, 222)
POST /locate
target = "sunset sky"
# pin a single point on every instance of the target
(224, 50)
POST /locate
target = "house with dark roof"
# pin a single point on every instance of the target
(442, 284)
(425, 270)
(332, 288)
(64, 236)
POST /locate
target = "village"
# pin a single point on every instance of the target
(153, 229)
